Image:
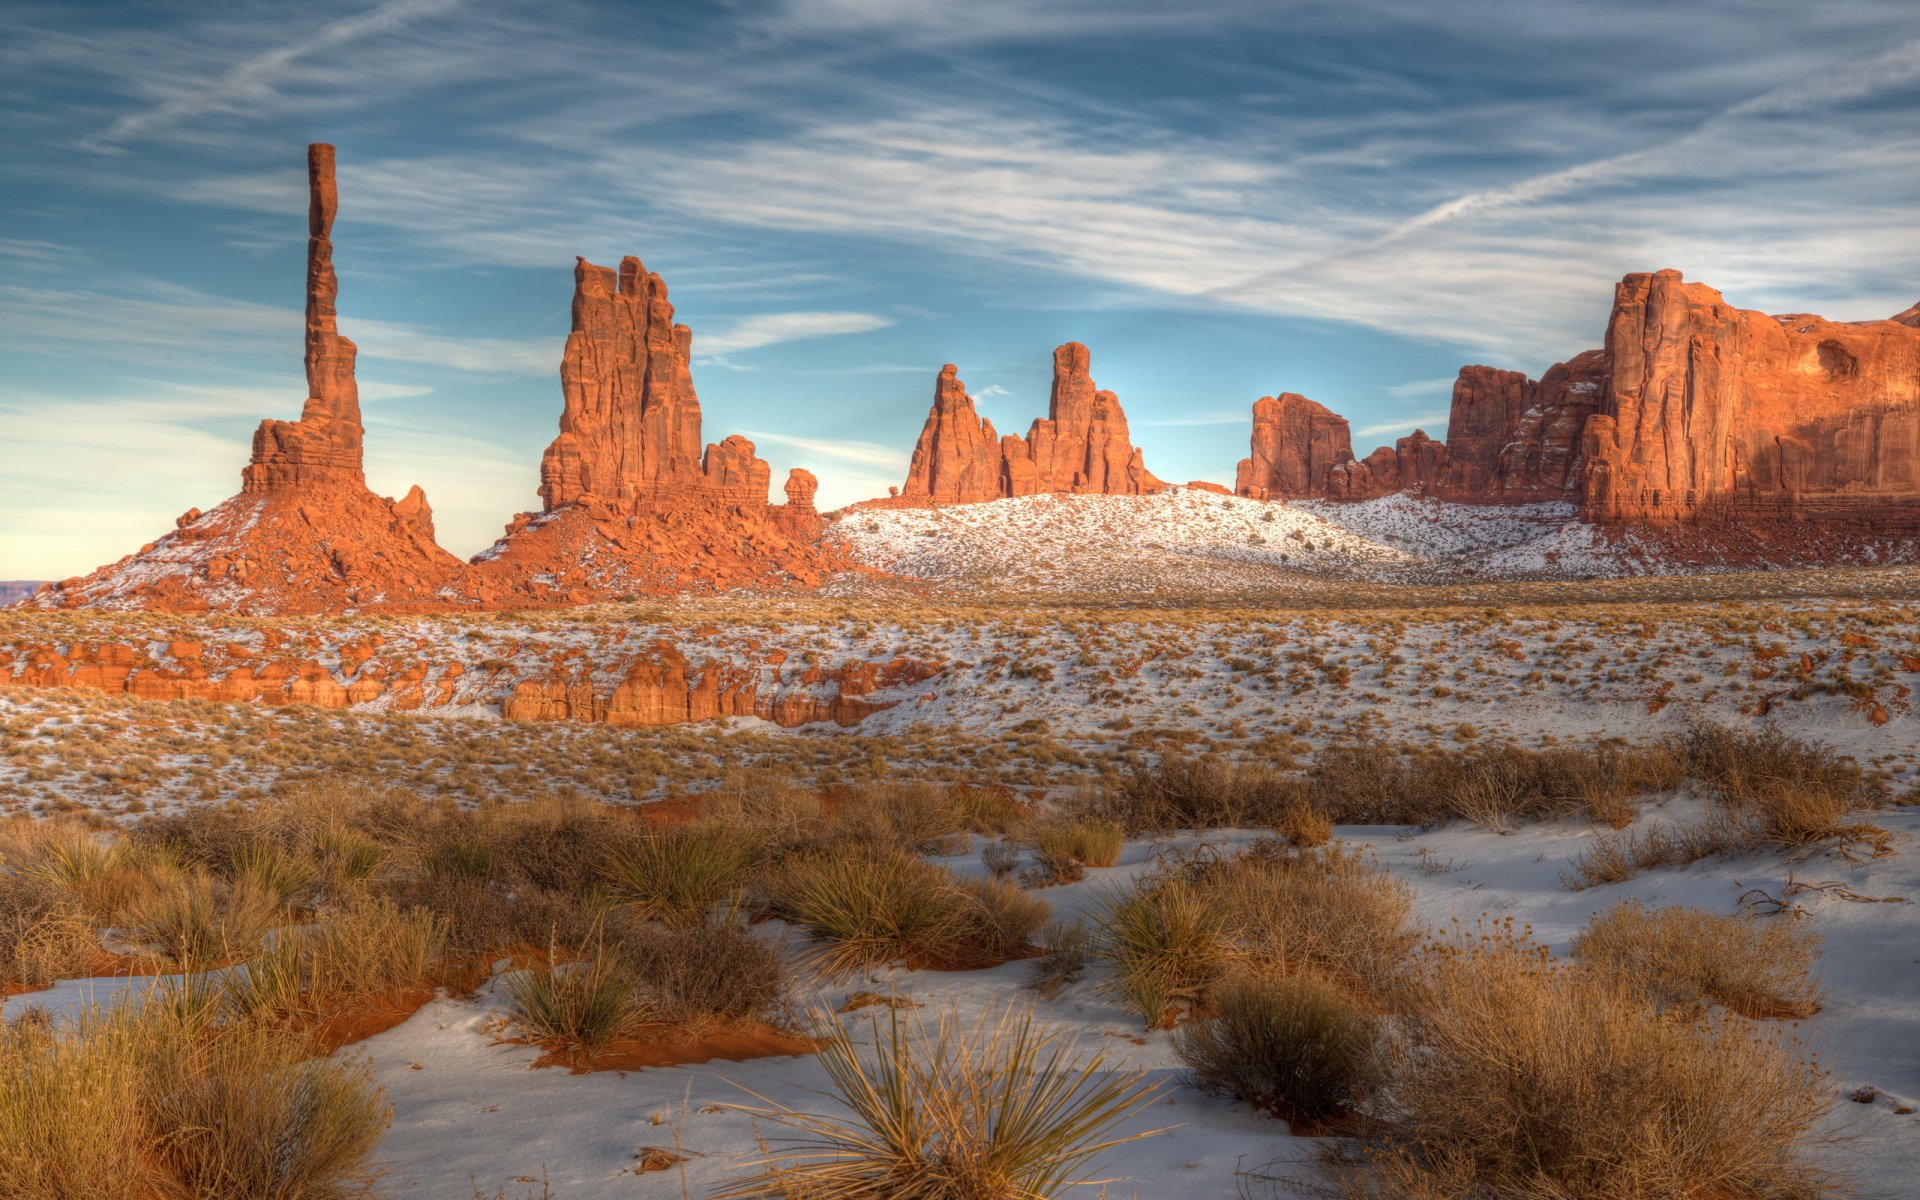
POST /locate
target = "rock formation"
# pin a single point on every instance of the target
(1717, 415)
(631, 503)
(304, 534)
(1694, 413)
(1411, 464)
(1295, 443)
(1081, 446)
(324, 445)
(530, 675)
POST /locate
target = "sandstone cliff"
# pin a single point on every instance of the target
(1715, 414)
(1082, 446)
(1295, 443)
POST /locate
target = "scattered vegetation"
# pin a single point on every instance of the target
(997, 1108)
(162, 1100)
(1298, 1046)
(1509, 1073)
(1683, 957)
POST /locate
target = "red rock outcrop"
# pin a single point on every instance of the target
(1413, 463)
(1296, 441)
(632, 505)
(958, 458)
(603, 681)
(1719, 415)
(1514, 440)
(304, 534)
(1082, 445)
(324, 445)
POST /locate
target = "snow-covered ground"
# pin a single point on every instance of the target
(467, 1104)
(1190, 540)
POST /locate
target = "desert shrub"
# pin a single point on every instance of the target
(579, 1004)
(272, 869)
(1794, 792)
(1165, 939)
(556, 845)
(44, 933)
(988, 810)
(1303, 827)
(677, 875)
(1508, 1073)
(1200, 793)
(872, 907)
(243, 1115)
(150, 1100)
(482, 916)
(1060, 848)
(994, 1109)
(1065, 947)
(918, 818)
(1615, 857)
(998, 919)
(1296, 1046)
(1329, 909)
(1000, 858)
(1685, 956)
(201, 919)
(713, 971)
(369, 948)
(780, 813)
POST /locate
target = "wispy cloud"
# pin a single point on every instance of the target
(1219, 417)
(252, 80)
(1427, 421)
(1420, 387)
(771, 329)
(867, 453)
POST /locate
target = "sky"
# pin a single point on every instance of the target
(1223, 199)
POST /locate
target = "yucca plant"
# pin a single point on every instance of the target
(677, 875)
(272, 869)
(579, 1004)
(996, 1108)
(870, 908)
(1165, 941)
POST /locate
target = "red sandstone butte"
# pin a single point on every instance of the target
(1717, 415)
(1296, 441)
(1693, 413)
(304, 534)
(632, 503)
(1081, 446)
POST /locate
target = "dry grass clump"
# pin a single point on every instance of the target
(1682, 957)
(1274, 908)
(873, 907)
(717, 971)
(1202, 793)
(1297, 1047)
(578, 1004)
(998, 1108)
(677, 875)
(44, 933)
(151, 1100)
(371, 948)
(1508, 1073)
(1063, 849)
(1165, 939)
(201, 920)
(1795, 793)
(1331, 910)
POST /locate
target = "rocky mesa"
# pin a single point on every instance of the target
(1693, 413)
(1081, 446)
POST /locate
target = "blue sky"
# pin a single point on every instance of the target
(1223, 199)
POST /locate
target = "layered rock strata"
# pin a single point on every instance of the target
(1082, 446)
